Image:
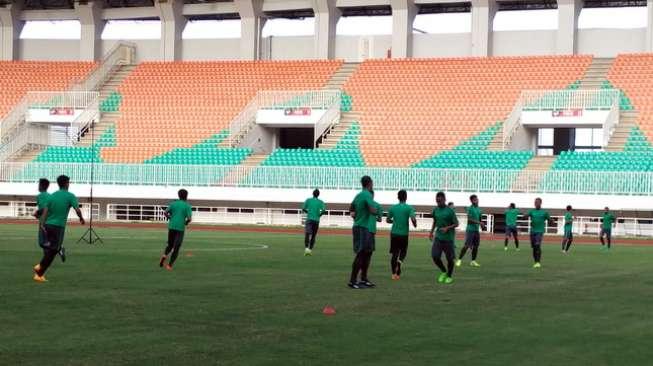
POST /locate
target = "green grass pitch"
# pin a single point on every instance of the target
(234, 303)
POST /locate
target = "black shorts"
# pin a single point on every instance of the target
(472, 239)
(42, 237)
(175, 238)
(607, 233)
(54, 235)
(568, 235)
(398, 243)
(440, 246)
(311, 227)
(511, 230)
(536, 239)
(363, 239)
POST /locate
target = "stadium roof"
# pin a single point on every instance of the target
(383, 8)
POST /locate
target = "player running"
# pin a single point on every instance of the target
(606, 228)
(445, 222)
(568, 236)
(511, 226)
(361, 208)
(314, 209)
(53, 222)
(41, 203)
(179, 215)
(472, 234)
(539, 218)
(398, 216)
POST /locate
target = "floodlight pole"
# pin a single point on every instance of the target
(90, 236)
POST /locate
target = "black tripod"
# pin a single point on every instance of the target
(90, 236)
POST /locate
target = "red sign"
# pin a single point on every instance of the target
(567, 113)
(297, 111)
(62, 111)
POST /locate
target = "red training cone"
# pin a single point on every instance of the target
(189, 254)
(328, 310)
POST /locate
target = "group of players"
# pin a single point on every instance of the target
(366, 213)
(52, 212)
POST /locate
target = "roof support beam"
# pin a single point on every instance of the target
(483, 12)
(568, 13)
(403, 17)
(251, 28)
(172, 26)
(326, 20)
(11, 26)
(92, 24)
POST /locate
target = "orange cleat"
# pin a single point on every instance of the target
(168, 267)
(38, 278)
(37, 268)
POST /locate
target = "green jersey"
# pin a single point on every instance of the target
(538, 220)
(444, 216)
(608, 219)
(179, 211)
(42, 200)
(59, 205)
(511, 217)
(314, 208)
(374, 218)
(400, 214)
(361, 205)
(473, 213)
(569, 219)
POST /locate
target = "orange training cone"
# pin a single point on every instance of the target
(328, 310)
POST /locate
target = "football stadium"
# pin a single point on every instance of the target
(326, 182)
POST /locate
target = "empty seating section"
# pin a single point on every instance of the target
(420, 107)
(179, 104)
(345, 104)
(206, 152)
(634, 75)
(78, 154)
(19, 77)
(637, 142)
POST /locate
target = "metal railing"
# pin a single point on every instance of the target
(511, 124)
(26, 137)
(67, 99)
(330, 118)
(122, 53)
(548, 100)
(271, 99)
(455, 180)
(610, 124)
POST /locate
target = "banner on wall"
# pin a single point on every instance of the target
(297, 111)
(62, 111)
(567, 113)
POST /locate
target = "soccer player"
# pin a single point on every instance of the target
(568, 235)
(442, 234)
(606, 228)
(539, 218)
(314, 209)
(398, 216)
(179, 215)
(361, 208)
(472, 234)
(511, 226)
(41, 203)
(53, 223)
(374, 218)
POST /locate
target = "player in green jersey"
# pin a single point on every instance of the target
(472, 233)
(511, 226)
(607, 220)
(179, 215)
(568, 236)
(314, 209)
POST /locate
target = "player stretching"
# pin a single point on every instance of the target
(606, 228)
(53, 222)
(568, 235)
(539, 218)
(445, 222)
(361, 209)
(179, 214)
(398, 216)
(472, 234)
(314, 209)
(511, 226)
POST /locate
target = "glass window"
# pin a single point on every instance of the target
(545, 137)
(583, 137)
(597, 137)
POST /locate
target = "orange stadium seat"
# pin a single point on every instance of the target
(167, 105)
(423, 106)
(19, 77)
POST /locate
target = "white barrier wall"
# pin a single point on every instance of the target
(599, 42)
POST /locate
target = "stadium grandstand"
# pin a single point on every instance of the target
(250, 121)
